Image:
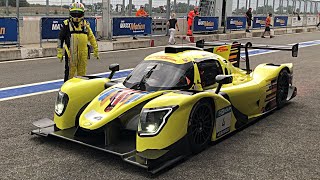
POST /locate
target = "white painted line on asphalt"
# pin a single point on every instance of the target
(52, 81)
(37, 93)
(27, 95)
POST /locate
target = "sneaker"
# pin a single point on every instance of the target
(271, 36)
(247, 30)
(263, 37)
(134, 38)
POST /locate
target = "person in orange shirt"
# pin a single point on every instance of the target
(141, 12)
(190, 18)
(268, 24)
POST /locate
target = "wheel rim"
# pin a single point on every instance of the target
(283, 88)
(201, 125)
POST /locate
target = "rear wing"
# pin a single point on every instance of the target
(234, 50)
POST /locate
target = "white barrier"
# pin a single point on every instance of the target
(296, 22)
(311, 20)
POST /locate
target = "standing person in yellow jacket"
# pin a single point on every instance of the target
(76, 33)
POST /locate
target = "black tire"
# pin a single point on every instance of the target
(200, 126)
(282, 88)
(76, 122)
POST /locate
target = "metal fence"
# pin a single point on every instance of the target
(156, 8)
(280, 7)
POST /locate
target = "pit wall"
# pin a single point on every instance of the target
(30, 27)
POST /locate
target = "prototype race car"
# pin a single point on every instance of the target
(173, 104)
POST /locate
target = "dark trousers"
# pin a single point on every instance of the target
(66, 68)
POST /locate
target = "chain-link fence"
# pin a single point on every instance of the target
(279, 7)
(156, 8)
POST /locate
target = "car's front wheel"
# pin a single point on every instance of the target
(200, 126)
(282, 88)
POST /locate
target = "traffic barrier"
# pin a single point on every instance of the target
(296, 22)
(131, 26)
(311, 20)
(259, 22)
(205, 24)
(236, 23)
(280, 21)
(51, 26)
(9, 30)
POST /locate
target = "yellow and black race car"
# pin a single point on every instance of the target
(173, 104)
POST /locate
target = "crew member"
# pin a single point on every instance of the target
(249, 19)
(190, 18)
(76, 33)
(141, 13)
(268, 24)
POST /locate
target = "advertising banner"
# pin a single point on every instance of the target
(236, 22)
(259, 22)
(311, 21)
(52, 26)
(125, 26)
(296, 22)
(280, 21)
(204, 24)
(8, 30)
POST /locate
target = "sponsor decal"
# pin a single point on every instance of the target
(132, 26)
(222, 49)
(56, 26)
(2, 30)
(93, 116)
(119, 96)
(236, 22)
(223, 121)
(205, 23)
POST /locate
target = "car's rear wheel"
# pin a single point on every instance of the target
(200, 126)
(282, 88)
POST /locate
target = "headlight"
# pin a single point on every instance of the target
(152, 120)
(61, 103)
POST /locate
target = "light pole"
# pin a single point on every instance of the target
(106, 19)
(224, 17)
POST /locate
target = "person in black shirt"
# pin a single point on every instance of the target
(172, 24)
(249, 19)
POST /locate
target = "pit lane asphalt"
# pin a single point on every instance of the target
(283, 145)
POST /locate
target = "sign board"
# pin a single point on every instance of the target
(205, 24)
(126, 26)
(280, 21)
(50, 27)
(311, 20)
(9, 30)
(236, 22)
(259, 22)
(296, 22)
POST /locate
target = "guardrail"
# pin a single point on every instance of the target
(9, 31)
(51, 26)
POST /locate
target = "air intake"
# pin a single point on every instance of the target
(177, 49)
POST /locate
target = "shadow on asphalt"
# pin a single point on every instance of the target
(106, 158)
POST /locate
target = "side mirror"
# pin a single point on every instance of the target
(223, 79)
(113, 68)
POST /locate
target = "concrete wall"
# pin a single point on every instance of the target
(30, 30)
(30, 27)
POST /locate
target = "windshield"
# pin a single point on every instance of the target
(160, 75)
